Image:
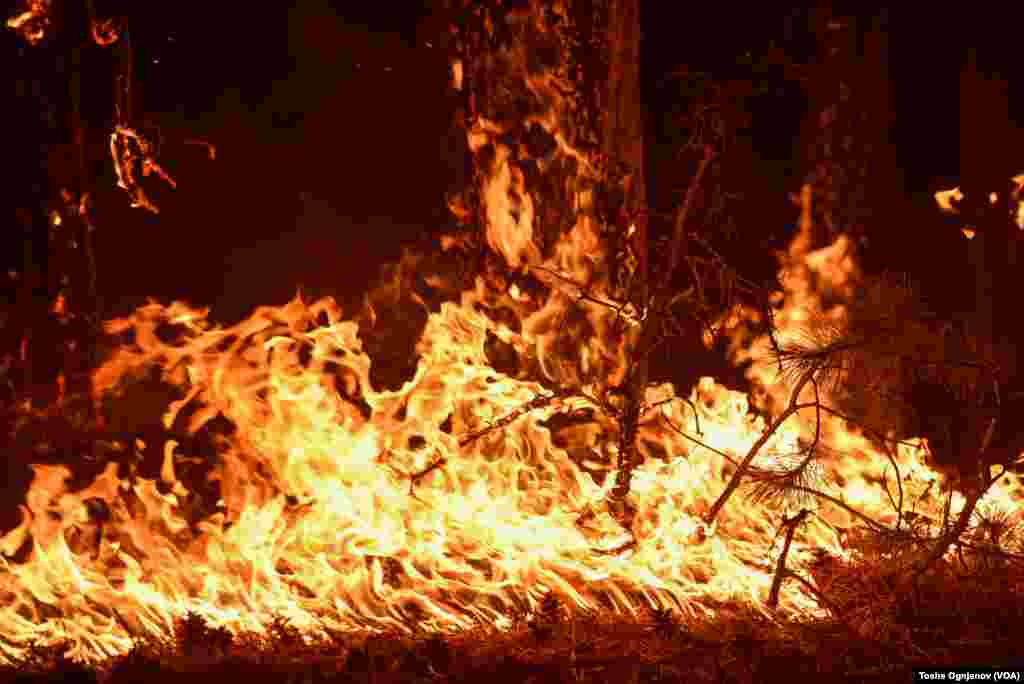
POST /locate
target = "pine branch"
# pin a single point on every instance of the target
(744, 466)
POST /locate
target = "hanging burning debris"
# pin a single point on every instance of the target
(33, 21)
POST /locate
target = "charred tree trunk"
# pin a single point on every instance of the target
(622, 132)
(622, 135)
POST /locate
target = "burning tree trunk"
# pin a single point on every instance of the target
(622, 134)
(599, 42)
(623, 144)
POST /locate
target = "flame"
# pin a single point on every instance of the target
(59, 306)
(346, 522)
(33, 21)
(106, 32)
(128, 147)
(1018, 195)
(947, 199)
(454, 499)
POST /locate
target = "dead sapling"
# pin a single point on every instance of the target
(790, 525)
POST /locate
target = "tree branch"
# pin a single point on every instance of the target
(744, 466)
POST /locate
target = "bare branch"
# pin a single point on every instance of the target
(580, 293)
(684, 212)
(744, 466)
(417, 477)
(539, 402)
(984, 480)
(790, 524)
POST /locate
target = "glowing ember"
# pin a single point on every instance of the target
(105, 32)
(947, 199)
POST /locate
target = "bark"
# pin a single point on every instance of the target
(596, 45)
(623, 125)
(623, 142)
(622, 132)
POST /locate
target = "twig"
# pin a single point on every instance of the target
(744, 466)
(800, 488)
(991, 551)
(581, 294)
(839, 503)
(679, 235)
(538, 402)
(871, 431)
(898, 506)
(699, 443)
(983, 483)
(818, 594)
(416, 478)
(696, 415)
(780, 568)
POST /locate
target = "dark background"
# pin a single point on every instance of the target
(334, 143)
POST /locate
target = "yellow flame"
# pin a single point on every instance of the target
(1018, 194)
(945, 199)
(105, 32)
(33, 22)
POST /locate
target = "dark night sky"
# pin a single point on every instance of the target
(329, 137)
(331, 126)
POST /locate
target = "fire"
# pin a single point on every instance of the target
(105, 32)
(453, 500)
(33, 22)
(128, 147)
(948, 199)
(339, 521)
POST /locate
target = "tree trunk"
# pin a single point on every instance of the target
(623, 142)
(591, 48)
(622, 132)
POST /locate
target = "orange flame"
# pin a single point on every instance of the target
(105, 32)
(946, 199)
(126, 148)
(33, 22)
